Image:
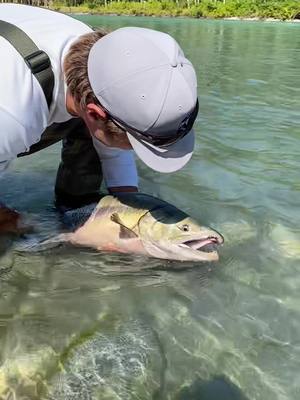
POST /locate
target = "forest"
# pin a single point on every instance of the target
(257, 9)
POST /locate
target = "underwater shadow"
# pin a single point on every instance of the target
(217, 388)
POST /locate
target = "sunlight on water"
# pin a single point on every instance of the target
(76, 324)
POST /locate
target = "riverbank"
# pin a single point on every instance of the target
(231, 9)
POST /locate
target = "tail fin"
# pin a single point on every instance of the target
(35, 246)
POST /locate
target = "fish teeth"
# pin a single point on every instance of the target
(184, 245)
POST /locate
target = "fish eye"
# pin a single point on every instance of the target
(184, 228)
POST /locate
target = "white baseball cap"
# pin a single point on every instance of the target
(147, 86)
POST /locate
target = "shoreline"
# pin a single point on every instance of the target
(246, 19)
(203, 10)
(114, 14)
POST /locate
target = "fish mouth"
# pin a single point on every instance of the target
(206, 246)
(196, 247)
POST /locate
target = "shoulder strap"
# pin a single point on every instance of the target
(36, 59)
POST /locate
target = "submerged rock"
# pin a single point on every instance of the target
(26, 374)
(124, 364)
(237, 232)
(286, 241)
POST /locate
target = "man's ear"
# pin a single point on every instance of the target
(95, 112)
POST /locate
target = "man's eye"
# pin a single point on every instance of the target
(184, 228)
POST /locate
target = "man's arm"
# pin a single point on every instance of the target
(118, 168)
(9, 220)
(12, 222)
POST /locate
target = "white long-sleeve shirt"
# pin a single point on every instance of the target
(24, 113)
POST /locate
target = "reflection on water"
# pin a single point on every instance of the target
(75, 324)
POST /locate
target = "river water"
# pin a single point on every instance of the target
(79, 325)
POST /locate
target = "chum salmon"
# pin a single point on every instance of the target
(140, 224)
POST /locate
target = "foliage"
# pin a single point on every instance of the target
(279, 9)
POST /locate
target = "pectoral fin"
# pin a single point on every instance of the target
(125, 233)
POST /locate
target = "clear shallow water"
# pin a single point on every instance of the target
(79, 325)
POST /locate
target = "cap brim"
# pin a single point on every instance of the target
(168, 159)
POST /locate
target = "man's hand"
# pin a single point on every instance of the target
(11, 222)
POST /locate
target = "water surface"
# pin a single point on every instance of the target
(75, 324)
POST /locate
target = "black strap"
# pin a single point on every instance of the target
(36, 59)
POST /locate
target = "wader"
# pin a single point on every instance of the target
(79, 174)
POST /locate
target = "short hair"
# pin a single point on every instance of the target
(75, 68)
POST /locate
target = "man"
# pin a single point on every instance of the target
(128, 89)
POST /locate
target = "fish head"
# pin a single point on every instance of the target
(169, 233)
